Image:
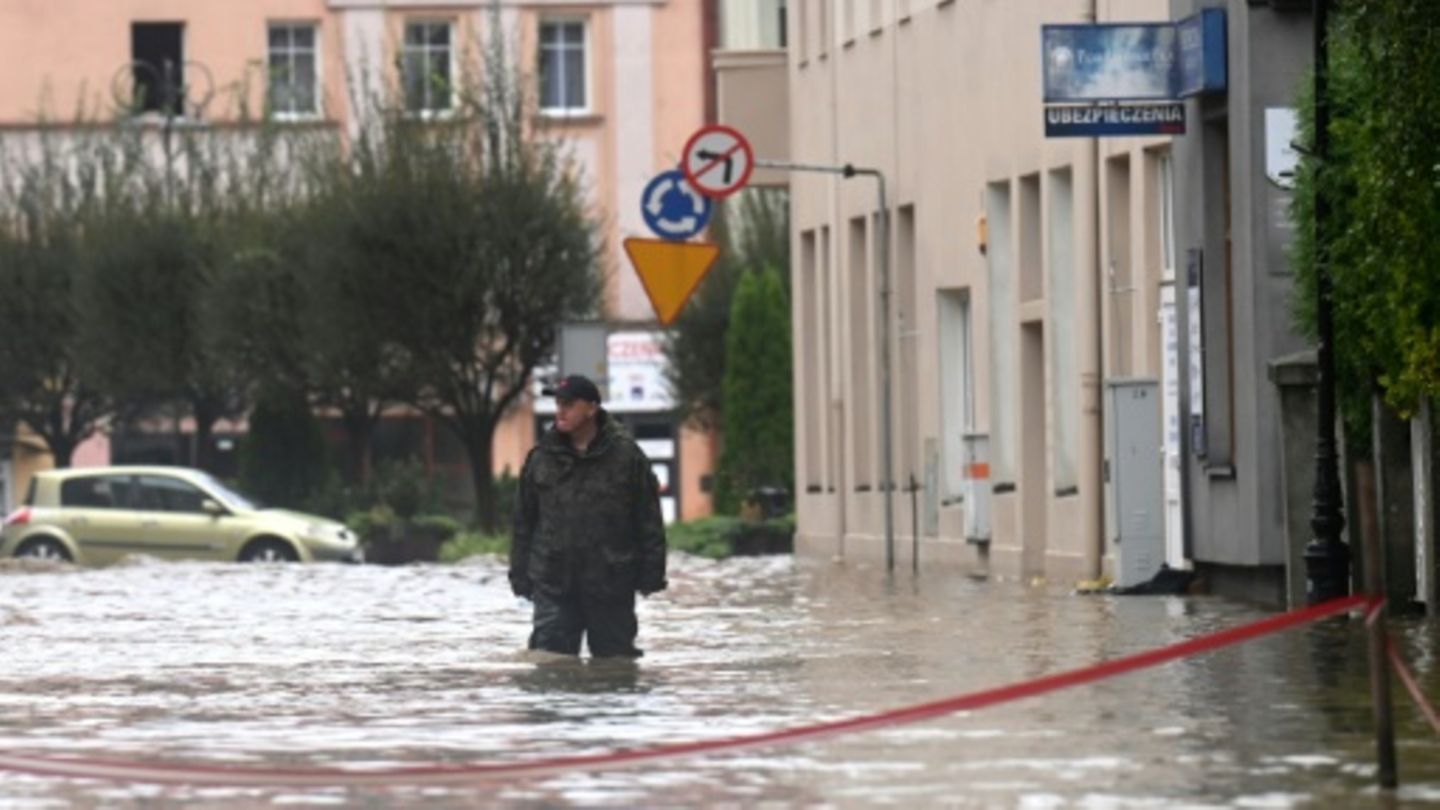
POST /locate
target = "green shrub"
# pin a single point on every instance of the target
(469, 544)
(706, 537)
(404, 486)
(337, 500)
(438, 525)
(371, 525)
(283, 457)
(721, 536)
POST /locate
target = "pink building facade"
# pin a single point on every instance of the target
(621, 81)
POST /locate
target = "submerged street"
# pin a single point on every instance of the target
(372, 667)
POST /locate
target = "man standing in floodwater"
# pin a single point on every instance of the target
(588, 533)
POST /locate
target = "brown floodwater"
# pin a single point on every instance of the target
(262, 666)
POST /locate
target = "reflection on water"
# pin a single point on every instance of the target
(376, 667)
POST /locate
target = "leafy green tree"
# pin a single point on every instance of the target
(753, 230)
(165, 259)
(145, 303)
(49, 196)
(468, 244)
(283, 458)
(759, 416)
(1382, 182)
(42, 384)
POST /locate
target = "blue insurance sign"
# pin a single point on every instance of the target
(672, 209)
(1125, 119)
(1110, 62)
(1201, 42)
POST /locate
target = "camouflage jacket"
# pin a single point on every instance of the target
(588, 522)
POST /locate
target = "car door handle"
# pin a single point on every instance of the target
(149, 524)
(79, 521)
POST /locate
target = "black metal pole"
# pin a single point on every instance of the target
(914, 525)
(1327, 559)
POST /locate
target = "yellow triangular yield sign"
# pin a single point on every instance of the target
(670, 271)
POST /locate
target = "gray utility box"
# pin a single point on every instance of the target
(1134, 480)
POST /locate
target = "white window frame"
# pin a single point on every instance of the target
(288, 115)
(585, 49)
(427, 112)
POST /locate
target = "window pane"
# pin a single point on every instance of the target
(414, 34)
(156, 50)
(86, 492)
(549, 34)
(304, 85)
(439, 89)
(414, 80)
(574, 34)
(439, 34)
(280, 95)
(169, 495)
(574, 80)
(550, 77)
(304, 100)
(279, 36)
(304, 36)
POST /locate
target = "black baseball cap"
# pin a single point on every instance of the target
(574, 386)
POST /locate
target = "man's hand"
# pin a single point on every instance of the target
(649, 588)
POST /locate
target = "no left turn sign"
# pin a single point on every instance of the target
(718, 161)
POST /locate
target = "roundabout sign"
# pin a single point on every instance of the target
(672, 208)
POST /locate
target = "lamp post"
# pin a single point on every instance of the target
(1327, 559)
(887, 457)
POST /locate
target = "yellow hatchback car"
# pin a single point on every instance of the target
(97, 515)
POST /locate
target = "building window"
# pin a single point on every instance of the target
(802, 29)
(823, 34)
(1167, 217)
(862, 376)
(957, 388)
(294, 77)
(782, 22)
(812, 347)
(1063, 331)
(1211, 269)
(562, 66)
(157, 59)
(1004, 337)
(427, 66)
(907, 333)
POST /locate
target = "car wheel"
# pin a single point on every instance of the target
(269, 551)
(44, 548)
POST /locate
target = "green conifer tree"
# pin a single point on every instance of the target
(759, 416)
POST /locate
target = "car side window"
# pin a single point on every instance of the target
(96, 492)
(162, 494)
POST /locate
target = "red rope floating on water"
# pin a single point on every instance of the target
(1411, 685)
(217, 775)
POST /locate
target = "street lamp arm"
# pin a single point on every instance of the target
(887, 444)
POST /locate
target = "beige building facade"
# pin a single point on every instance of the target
(1021, 273)
(621, 81)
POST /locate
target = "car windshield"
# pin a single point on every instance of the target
(232, 499)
